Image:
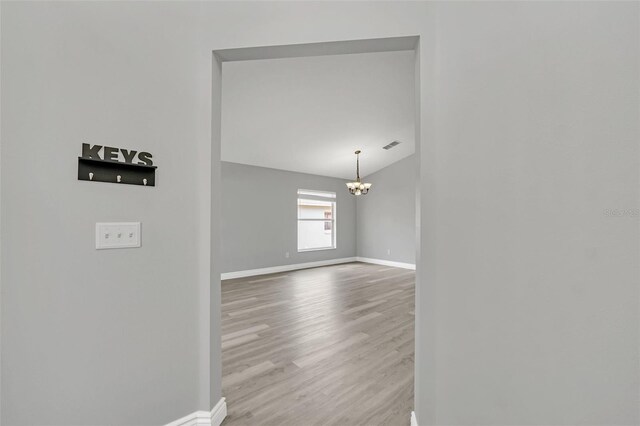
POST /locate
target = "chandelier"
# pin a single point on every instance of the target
(356, 187)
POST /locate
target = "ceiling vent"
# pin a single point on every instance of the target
(391, 145)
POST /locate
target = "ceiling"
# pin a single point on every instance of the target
(309, 114)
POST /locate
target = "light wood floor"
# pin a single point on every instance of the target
(323, 346)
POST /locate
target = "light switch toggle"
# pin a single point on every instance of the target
(117, 235)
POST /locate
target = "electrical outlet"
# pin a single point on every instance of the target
(117, 235)
(388, 252)
(286, 255)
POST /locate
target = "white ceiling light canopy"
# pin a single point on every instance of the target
(357, 187)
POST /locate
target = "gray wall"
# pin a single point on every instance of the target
(259, 217)
(527, 297)
(536, 287)
(386, 216)
(101, 336)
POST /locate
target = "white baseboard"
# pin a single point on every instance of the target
(284, 268)
(218, 413)
(387, 263)
(414, 421)
(204, 418)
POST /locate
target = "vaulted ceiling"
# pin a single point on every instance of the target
(310, 114)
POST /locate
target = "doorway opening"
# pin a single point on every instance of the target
(317, 301)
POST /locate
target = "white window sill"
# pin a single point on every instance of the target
(316, 249)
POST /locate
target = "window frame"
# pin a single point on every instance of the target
(314, 195)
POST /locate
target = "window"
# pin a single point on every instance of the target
(316, 220)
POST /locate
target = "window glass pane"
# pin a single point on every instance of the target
(312, 209)
(314, 234)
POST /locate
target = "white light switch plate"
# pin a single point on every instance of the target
(111, 235)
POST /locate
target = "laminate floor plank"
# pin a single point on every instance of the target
(325, 346)
(244, 331)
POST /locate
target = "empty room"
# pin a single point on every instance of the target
(318, 237)
(319, 213)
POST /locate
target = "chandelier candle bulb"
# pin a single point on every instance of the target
(357, 187)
